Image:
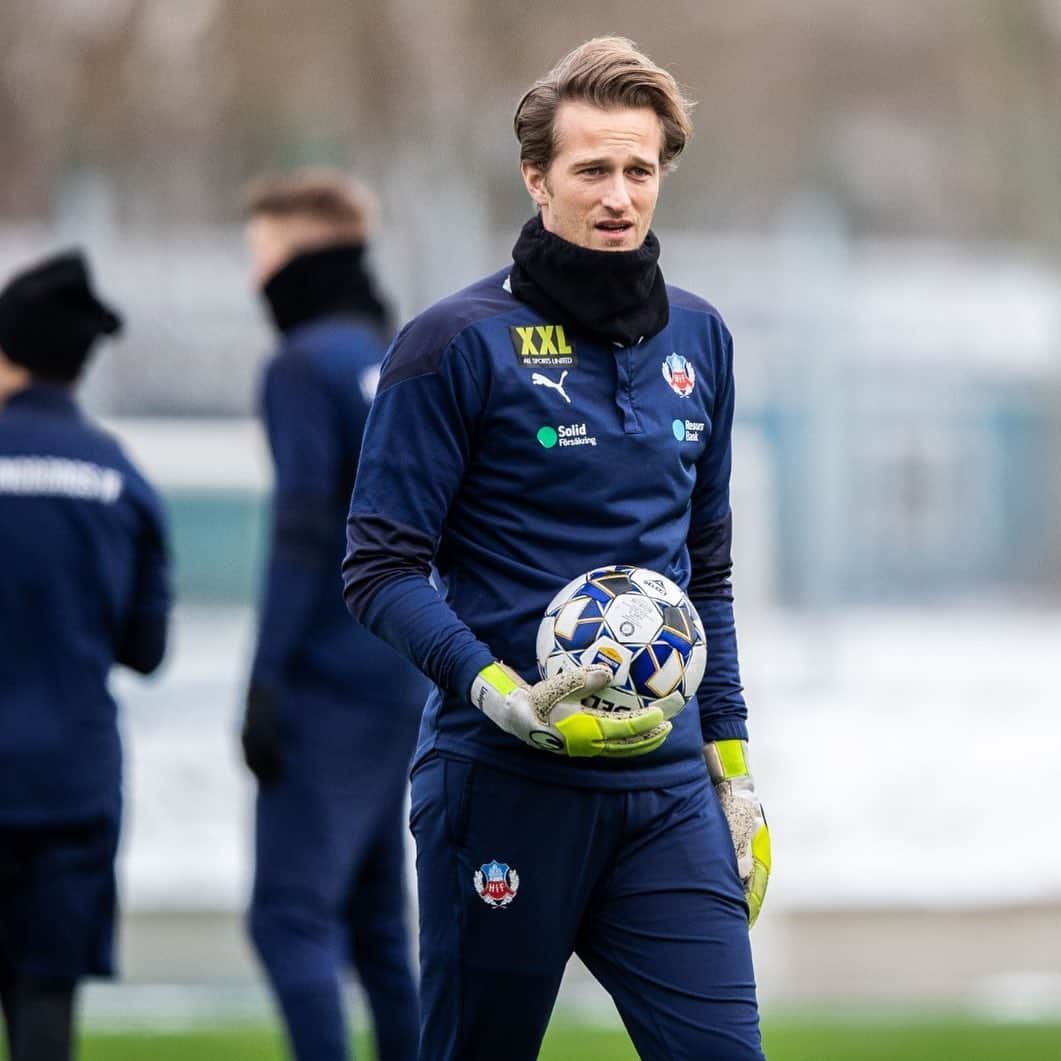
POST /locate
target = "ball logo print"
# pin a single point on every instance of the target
(639, 624)
(497, 883)
(637, 619)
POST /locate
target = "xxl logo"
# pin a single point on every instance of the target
(536, 345)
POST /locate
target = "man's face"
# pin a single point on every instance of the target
(601, 187)
(274, 241)
(269, 240)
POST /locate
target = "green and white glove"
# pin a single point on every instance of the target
(727, 764)
(548, 715)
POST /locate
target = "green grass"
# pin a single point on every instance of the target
(819, 1039)
(916, 1039)
(562, 1044)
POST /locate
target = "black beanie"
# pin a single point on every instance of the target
(50, 317)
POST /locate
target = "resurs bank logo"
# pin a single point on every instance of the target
(565, 435)
(688, 430)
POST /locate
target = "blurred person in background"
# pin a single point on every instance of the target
(83, 585)
(544, 826)
(331, 712)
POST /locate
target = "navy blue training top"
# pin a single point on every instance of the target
(83, 585)
(315, 397)
(517, 455)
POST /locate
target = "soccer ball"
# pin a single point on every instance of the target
(638, 623)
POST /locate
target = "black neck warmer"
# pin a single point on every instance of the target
(616, 298)
(321, 283)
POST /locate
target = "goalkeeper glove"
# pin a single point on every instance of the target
(547, 715)
(727, 765)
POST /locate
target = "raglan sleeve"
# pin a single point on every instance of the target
(723, 712)
(305, 443)
(418, 442)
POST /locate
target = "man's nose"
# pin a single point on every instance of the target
(616, 194)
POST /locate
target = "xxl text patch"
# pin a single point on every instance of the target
(542, 344)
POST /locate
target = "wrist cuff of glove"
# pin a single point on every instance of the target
(725, 759)
(498, 677)
(494, 683)
(467, 672)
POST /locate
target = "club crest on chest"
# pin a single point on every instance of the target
(679, 374)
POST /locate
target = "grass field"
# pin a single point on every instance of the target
(920, 1039)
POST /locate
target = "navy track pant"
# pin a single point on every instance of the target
(329, 889)
(515, 876)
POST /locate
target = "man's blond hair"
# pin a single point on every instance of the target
(322, 195)
(606, 72)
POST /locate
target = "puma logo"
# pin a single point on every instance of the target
(544, 381)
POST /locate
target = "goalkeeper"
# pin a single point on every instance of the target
(567, 412)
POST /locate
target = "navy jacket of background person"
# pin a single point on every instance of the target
(315, 398)
(83, 585)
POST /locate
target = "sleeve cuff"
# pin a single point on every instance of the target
(464, 673)
(724, 729)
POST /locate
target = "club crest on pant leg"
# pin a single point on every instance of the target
(497, 883)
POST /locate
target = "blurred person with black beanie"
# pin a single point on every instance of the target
(83, 585)
(331, 712)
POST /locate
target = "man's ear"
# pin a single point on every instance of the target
(13, 377)
(534, 180)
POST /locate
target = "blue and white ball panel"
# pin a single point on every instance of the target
(564, 595)
(612, 581)
(578, 623)
(678, 627)
(545, 646)
(672, 705)
(694, 669)
(658, 669)
(556, 664)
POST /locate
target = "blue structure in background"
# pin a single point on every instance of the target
(884, 493)
(219, 538)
